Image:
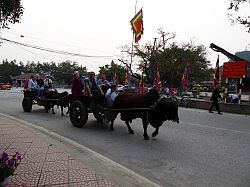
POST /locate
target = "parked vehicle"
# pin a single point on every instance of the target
(5, 86)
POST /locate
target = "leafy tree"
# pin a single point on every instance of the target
(236, 6)
(10, 12)
(111, 70)
(171, 63)
(64, 71)
(171, 60)
(7, 70)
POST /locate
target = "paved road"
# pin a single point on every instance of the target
(203, 150)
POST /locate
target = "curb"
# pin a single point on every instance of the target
(117, 173)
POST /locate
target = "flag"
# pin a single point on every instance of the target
(216, 73)
(141, 88)
(185, 77)
(141, 84)
(125, 82)
(114, 78)
(137, 25)
(157, 80)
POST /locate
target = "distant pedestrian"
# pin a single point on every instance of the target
(215, 100)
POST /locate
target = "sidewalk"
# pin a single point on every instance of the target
(43, 164)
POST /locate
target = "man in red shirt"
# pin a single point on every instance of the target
(77, 84)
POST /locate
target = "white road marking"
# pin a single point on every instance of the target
(217, 128)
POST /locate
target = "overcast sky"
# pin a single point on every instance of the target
(98, 27)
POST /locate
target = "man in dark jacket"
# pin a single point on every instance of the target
(215, 98)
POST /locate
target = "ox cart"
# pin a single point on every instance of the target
(151, 107)
(31, 98)
(81, 106)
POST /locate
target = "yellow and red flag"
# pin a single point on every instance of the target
(216, 73)
(137, 25)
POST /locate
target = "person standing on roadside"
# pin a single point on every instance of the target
(215, 100)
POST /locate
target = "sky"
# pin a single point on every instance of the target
(100, 28)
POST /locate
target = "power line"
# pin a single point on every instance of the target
(57, 43)
(53, 50)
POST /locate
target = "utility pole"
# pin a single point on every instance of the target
(163, 39)
(154, 43)
(0, 33)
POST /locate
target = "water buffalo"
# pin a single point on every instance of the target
(61, 98)
(162, 109)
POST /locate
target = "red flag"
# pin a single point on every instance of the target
(114, 78)
(141, 88)
(185, 77)
(137, 25)
(157, 80)
(125, 82)
(141, 84)
(216, 73)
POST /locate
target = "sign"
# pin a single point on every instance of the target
(235, 69)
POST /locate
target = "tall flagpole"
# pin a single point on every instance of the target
(132, 49)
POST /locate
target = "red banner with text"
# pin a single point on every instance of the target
(235, 69)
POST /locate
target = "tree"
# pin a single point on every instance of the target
(65, 70)
(236, 6)
(10, 12)
(171, 60)
(7, 70)
(62, 72)
(111, 70)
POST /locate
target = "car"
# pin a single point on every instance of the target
(5, 86)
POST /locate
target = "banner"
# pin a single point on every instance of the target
(114, 78)
(142, 88)
(157, 80)
(185, 77)
(137, 25)
(126, 79)
(235, 69)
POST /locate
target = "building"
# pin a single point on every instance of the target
(20, 79)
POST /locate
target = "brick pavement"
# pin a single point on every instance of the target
(43, 164)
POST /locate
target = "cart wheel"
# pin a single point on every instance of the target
(78, 114)
(98, 116)
(27, 104)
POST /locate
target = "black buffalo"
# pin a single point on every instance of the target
(59, 99)
(161, 109)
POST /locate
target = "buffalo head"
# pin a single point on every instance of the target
(166, 108)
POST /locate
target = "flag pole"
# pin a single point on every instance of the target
(132, 49)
